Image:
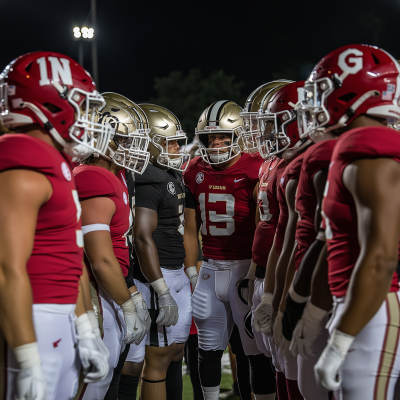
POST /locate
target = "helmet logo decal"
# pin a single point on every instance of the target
(171, 188)
(58, 72)
(112, 120)
(388, 94)
(350, 65)
(199, 177)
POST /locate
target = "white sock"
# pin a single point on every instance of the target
(211, 393)
(264, 396)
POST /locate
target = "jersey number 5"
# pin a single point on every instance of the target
(214, 217)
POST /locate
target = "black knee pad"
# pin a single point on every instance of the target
(174, 383)
(262, 374)
(128, 387)
(210, 367)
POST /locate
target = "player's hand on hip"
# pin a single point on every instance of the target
(277, 329)
(135, 330)
(263, 315)
(246, 286)
(168, 310)
(327, 368)
(191, 273)
(307, 331)
(31, 384)
(92, 355)
(142, 310)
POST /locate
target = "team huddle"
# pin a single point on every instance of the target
(295, 199)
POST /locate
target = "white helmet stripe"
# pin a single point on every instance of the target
(214, 111)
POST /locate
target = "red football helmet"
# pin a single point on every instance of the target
(54, 91)
(348, 82)
(278, 127)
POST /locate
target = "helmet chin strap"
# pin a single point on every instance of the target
(289, 153)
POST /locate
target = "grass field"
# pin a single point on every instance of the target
(226, 388)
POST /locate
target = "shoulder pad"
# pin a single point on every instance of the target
(151, 174)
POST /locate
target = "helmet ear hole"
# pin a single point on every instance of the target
(52, 108)
(347, 97)
(28, 68)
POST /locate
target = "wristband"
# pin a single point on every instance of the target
(160, 286)
(128, 306)
(267, 298)
(95, 227)
(342, 341)
(296, 297)
(27, 355)
(83, 324)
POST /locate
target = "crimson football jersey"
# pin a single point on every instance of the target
(292, 171)
(316, 158)
(93, 181)
(55, 264)
(224, 201)
(270, 173)
(339, 210)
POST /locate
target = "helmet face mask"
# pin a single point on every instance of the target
(273, 138)
(128, 148)
(247, 139)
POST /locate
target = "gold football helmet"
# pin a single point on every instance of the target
(165, 128)
(128, 148)
(221, 117)
(259, 96)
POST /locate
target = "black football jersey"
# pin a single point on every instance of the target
(164, 192)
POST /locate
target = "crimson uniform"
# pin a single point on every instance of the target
(224, 202)
(91, 182)
(315, 159)
(54, 267)
(372, 365)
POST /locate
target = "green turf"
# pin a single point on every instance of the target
(226, 386)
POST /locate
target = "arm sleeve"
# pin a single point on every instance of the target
(190, 202)
(148, 196)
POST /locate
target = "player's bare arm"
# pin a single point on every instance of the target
(22, 195)
(375, 186)
(145, 225)
(191, 243)
(302, 280)
(269, 280)
(99, 249)
(284, 258)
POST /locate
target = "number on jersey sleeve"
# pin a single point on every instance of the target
(263, 204)
(226, 218)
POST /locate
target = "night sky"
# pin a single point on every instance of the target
(254, 40)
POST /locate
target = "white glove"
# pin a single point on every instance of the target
(168, 309)
(31, 384)
(191, 272)
(307, 330)
(141, 308)
(264, 315)
(246, 286)
(135, 331)
(327, 368)
(285, 345)
(96, 330)
(92, 357)
(277, 329)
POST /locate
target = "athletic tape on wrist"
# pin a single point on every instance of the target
(267, 298)
(315, 312)
(342, 341)
(160, 286)
(95, 227)
(83, 324)
(128, 306)
(27, 355)
(191, 271)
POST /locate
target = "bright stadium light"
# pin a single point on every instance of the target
(77, 32)
(84, 32)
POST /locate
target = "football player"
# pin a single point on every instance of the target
(160, 197)
(223, 184)
(307, 249)
(280, 135)
(357, 88)
(46, 96)
(106, 222)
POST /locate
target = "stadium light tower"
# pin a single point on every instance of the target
(81, 35)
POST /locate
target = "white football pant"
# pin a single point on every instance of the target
(216, 305)
(55, 333)
(372, 365)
